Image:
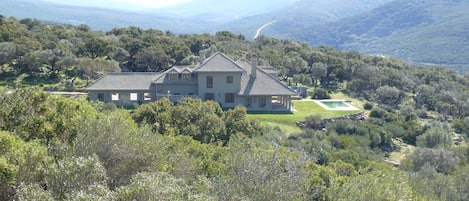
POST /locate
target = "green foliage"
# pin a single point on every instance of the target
(320, 93)
(110, 137)
(155, 114)
(360, 134)
(125, 149)
(461, 126)
(164, 186)
(412, 129)
(32, 114)
(374, 185)
(205, 121)
(436, 186)
(318, 180)
(33, 192)
(20, 162)
(437, 136)
(259, 171)
(441, 160)
(368, 106)
(24, 113)
(343, 168)
(389, 95)
(377, 113)
(73, 176)
(96, 47)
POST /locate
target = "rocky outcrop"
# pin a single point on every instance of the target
(322, 124)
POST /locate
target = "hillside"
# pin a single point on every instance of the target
(60, 148)
(292, 20)
(424, 32)
(98, 18)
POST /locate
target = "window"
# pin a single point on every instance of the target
(173, 76)
(229, 97)
(186, 76)
(209, 96)
(100, 96)
(229, 79)
(249, 102)
(133, 96)
(115, 96)
(209, 81)
(262, 102)
(147, 96)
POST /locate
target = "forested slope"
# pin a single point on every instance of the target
(425, 32)
(56, 148)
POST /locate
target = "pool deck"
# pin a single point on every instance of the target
(348, 108)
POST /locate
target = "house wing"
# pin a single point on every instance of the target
(263, 84)
(219, 63)
(123, 81)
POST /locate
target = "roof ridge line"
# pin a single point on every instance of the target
(213, 56)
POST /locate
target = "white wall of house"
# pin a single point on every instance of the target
(220, 88)
(122, 97)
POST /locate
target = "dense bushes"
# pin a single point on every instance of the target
(320, 93)
(204, 121)
(147, 155)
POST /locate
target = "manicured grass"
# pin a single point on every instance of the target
(303, 108)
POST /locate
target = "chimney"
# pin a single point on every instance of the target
(243, 55)
(202, 57)
(253, 65)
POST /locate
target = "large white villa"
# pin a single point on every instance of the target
(217, 78)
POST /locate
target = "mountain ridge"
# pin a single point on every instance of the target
(428, 32)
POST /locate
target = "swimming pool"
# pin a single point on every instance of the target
(335, 105)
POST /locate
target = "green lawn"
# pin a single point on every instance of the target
(304, 108)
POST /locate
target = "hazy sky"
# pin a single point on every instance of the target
(121, 4)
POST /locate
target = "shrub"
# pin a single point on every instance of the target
(442, 160)
(435, 137)
(320, 93)
(368, 106)
(377, 113)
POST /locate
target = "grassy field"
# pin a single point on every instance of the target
(303, 108)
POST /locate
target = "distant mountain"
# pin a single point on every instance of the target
(241, 16)
(431, 32)
(223, 11)
(101, 19)
(302, 17)
(201, 16)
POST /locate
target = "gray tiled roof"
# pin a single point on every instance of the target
(263, 84)
(179, 69)
(124, 81)
(269, 69)
(218, 63)
(246, 64)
